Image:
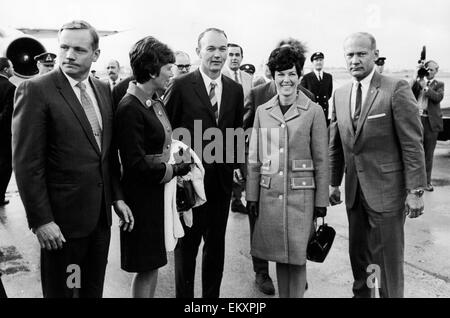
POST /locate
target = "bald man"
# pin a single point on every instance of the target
(376, 137)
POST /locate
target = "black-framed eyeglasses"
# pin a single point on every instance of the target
(181, 66)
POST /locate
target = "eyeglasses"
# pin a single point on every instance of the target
(181, 66)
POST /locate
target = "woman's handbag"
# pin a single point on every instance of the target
(185, 195)
(320, 243)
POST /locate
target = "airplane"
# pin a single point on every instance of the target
(21, 45)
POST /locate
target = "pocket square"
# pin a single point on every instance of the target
(376, 116)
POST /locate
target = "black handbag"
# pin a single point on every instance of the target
(185, 195)
(320, 242)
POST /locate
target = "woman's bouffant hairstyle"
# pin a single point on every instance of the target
(147, 57)
(284, 58)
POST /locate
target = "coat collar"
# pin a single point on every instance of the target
(145, 99)
(66, 90)
(301, 103)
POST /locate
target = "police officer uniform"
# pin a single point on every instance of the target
(320, 84)
(45, 62)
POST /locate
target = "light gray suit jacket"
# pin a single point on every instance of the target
(385, 154)
(247, 80)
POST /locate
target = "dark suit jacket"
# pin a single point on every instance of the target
(261, 94)
(120, 90)
(322, 90)
(61, 173)
(385, 154)
(435, 95)
(6, 109)
(187, 100)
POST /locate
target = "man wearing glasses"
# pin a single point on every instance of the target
(182, 64)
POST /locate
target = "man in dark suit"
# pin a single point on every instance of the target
(201, 100)
(6, 109)
(260, 95)
(67, 168)
(319, 83)
(375, 137)
(429, 93)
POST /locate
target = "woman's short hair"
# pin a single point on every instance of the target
(147, 57)
(284, 58)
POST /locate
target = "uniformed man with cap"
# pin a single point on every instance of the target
(248, 68)
(319, 83)
(45, 62)
(380, 64)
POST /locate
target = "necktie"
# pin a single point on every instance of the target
(357, 106)
(236, 77)
(320, 78)
(88, 107)
(213, 99)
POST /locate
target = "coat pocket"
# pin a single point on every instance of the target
(302, 165)
(391, 167)
(265, 182)
(303, 183)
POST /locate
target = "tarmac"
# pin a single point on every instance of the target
(427, 253)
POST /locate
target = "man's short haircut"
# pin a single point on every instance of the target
(284, 58)
(147, 57)
(200, 37)
(235, 45)
(82, 25)
(4, 63)
(177, 53)
(117, 63)
(432, 61)
(370, 37)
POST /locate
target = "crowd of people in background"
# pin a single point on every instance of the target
(81, 145)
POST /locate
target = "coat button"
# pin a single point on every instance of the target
(304, 183)
(159, 113)
(168, 128)
(168, 146)
(280, 197)
(281, 173)
(283, 125)
(304, 166)
(281, 150)
(148, 103)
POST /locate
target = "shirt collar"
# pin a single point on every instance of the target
(365, 82)
(73, 83)
(207, 80)
(318, 73)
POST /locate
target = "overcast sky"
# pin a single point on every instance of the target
(400, 27)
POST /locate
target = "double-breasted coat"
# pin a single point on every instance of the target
(288, 176)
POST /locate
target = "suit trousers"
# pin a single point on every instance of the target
(429, 144)
(209, 223)
(260, 266)
(5, 165)
(89, 253)
(376, 241)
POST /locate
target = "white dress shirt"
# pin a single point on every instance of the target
(89, 91)
(319, 75)
(218, 89)
(365, 84)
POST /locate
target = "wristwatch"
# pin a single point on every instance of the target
(417, 192)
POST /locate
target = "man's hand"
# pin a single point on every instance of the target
(50, 236)
(126, 216)
(335, 196)
(238, 176)
(414, 206)
(252, 208)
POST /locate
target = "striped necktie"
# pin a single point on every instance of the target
(213, 99)
(236, 77)
(88, 107)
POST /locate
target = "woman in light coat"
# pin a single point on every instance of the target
(287, 185)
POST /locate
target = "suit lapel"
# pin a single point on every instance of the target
(102, 104)
(346, 102)
(225, 97)
(68, 94)
(368, 103)
(200, 90)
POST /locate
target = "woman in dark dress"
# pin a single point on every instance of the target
(144, 136)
